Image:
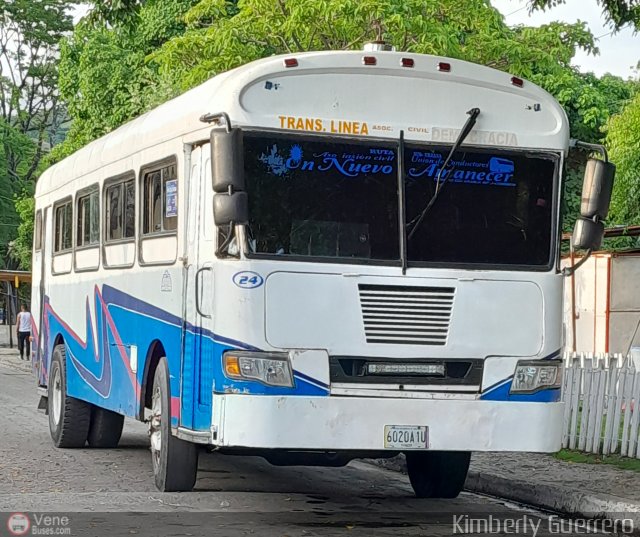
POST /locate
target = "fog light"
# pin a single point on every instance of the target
(270, 368)
(387, 368)
(533, 376)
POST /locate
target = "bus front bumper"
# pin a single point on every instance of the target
(336, 423)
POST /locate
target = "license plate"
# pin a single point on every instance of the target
(406, 436)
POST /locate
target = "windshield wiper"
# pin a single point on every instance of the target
(471, 121)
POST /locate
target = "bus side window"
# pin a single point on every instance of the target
(159, 200)
(63, 227)
(88, 227)
(120, 211)
(37, 235)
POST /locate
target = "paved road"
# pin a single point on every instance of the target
(111, 491)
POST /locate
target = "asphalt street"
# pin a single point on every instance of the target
(111, 492)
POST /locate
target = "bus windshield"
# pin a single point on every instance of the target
(319, 197)
(322, 197)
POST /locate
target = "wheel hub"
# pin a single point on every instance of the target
(57, 396)
(155, 427)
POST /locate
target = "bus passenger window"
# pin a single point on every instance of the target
(130, 209)
(37, 236)
(160, 209)
(121, 211)
(63, 228)
(88, 228)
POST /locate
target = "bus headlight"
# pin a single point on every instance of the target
(533, 376)
(270, 368)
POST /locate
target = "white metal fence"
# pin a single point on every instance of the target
(602, 411)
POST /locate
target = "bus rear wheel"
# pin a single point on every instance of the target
(175, 462)
(105, 429)
(69, 418)
(437, 474)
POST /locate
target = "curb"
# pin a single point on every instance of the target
(557, 498)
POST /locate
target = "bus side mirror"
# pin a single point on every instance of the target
(231, 208)
(597, 188)
(227, 160)
(587, 234)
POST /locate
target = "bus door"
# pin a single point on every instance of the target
(41, 268)
(197, 363)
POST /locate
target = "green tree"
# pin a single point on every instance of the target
(105, 79)
(223, 35)
(20, 247)
(617, 13)
(30, 113)
(623, 140)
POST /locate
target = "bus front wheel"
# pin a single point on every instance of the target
(69, 418)
(437, 474)
(175, 462)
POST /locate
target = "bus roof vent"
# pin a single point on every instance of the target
(379, 46)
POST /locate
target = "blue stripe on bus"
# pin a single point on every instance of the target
(501, 393)
(500, 390)
(121, 321)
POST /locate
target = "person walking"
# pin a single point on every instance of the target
(23, 328)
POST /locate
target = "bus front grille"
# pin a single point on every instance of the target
(406, 315)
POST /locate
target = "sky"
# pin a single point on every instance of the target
(619, 52)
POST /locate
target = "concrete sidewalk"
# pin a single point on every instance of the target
(578, 489)
(11, 358)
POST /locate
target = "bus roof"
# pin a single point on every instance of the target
(344, 94)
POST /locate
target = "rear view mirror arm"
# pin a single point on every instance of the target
(217, 118)
(569, 271)
(590, 147)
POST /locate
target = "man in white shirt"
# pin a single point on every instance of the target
(23, 328)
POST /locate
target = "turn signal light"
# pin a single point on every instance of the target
(407, 62)
(369, 60)
(232, 366)
(290, 62)
(518, 82)
(444, 67)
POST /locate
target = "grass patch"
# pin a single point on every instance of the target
(625, 463)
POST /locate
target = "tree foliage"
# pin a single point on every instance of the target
(617, 13)
(223, 35)
(20, 247)
(105, 79)
(30, 114)
(623, 140)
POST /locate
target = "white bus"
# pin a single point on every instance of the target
(312, 258)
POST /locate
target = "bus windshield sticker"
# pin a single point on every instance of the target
(171, 194)
(476, 171)
(366, 161)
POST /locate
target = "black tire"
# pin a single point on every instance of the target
(69, 418)
(438, 474)
(175, 462)
(105, 429)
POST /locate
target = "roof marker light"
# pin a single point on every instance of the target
(407, 62)
(444, 67)
(518, 82)
(369, 60)
(290, 62)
